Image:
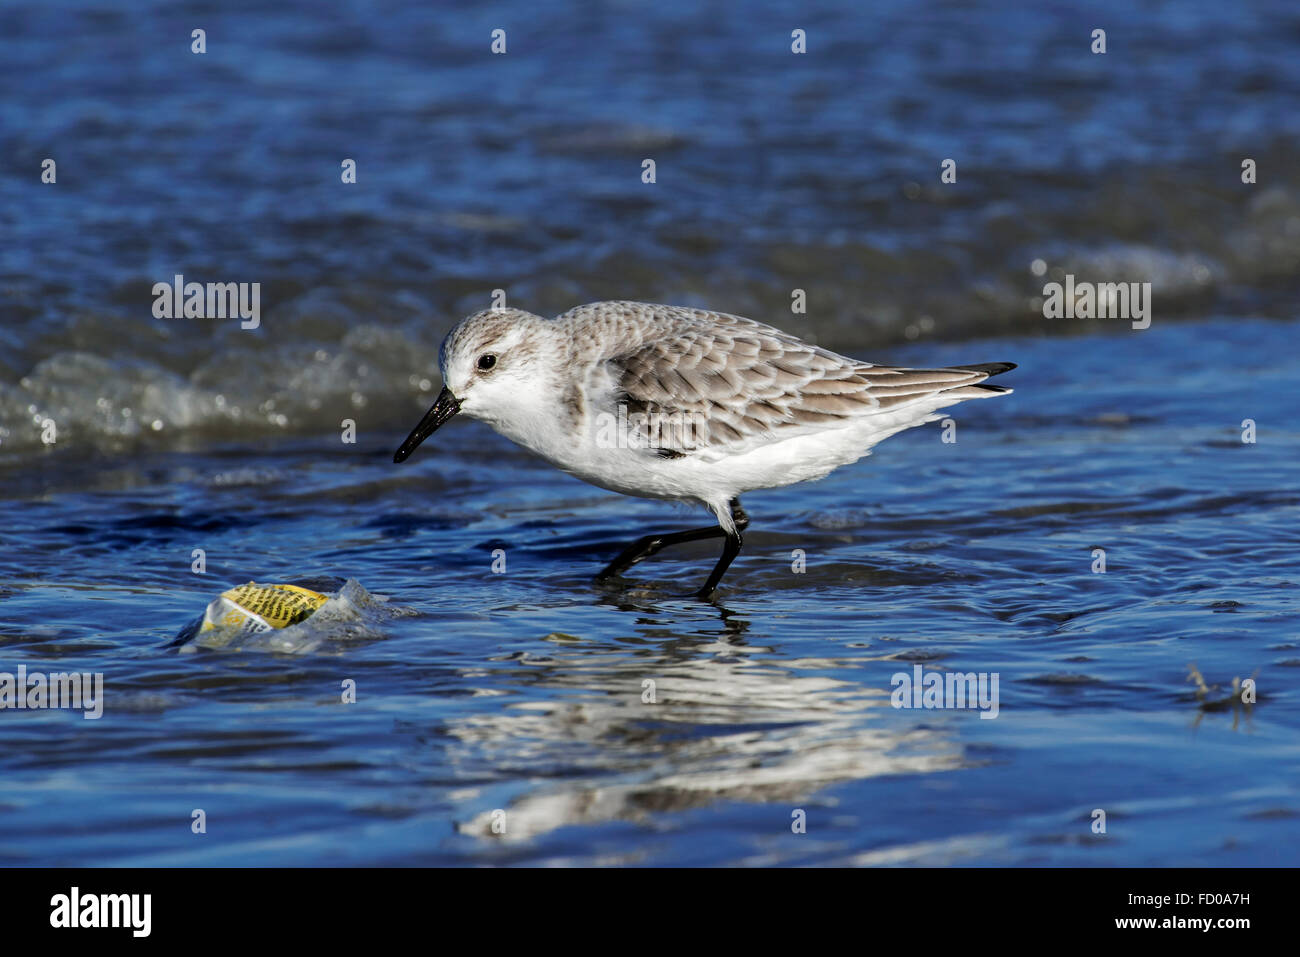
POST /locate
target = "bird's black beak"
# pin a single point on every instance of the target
(443, 409)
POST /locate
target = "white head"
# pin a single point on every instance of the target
(494, 367)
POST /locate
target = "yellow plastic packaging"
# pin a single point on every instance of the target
(252, 609)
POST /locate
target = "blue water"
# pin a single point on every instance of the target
(521, 691)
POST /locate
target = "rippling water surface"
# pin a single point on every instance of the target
(523, 691)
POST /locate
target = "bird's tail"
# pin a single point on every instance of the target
(981, 390)
(896, 387)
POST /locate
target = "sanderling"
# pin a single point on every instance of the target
(683, 404)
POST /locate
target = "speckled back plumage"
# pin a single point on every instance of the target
(741, 382)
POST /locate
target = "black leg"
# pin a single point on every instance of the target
(730, 549)
(644, 547)
(648, 545)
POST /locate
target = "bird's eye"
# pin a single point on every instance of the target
(486, 361)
